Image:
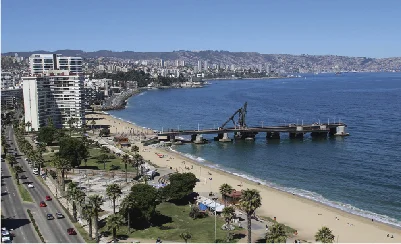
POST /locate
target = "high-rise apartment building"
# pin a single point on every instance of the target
(205, 66)
(54, 94)
(199, 66)
(39, 63)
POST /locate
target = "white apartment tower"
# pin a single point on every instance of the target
(199, 66)
(55, 94)
(39, 63)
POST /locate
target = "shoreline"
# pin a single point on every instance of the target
(290, 209)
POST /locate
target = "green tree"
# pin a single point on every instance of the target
(324, 235)
(93, 123)
(249, 202)
(61, 164)
(114, 222)
(276, 234)
(225, 189)
(71, 121)
(228, 214)
(113, 191)
(126, 208)
(18, 170)
(126, 160)
(102, 159)
(46, 134)
(88, 213)
(135, 149)
(72, 195)
(104, 132)
(181, 185)
(145, 198)
(11, 159)
(137, 161)
(186, 236)
(73, 150)
(96, 201)
(28, 124)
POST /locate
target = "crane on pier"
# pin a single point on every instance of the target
(241, 118)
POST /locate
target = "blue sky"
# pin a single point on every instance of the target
(368, 28)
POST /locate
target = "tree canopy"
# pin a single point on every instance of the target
(46, 134)
(73, 150)
(181, 185)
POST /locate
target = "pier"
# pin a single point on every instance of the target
(244, 132)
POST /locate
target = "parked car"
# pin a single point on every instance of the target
(71, 231)
(48, 198)
(30, 186)
(35, 171)
(59, 215)
(50, 216)
(42, 204)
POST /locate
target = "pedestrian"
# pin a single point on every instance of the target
(267, 228)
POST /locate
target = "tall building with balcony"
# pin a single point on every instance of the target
(39, 63)
(55, 94)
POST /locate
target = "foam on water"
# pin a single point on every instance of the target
(299, 192)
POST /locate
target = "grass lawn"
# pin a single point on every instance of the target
(202, 230)
(94, 153)
(25, 195)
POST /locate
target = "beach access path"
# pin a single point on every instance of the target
(304, 215)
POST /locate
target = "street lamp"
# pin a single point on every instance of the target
(215, 218)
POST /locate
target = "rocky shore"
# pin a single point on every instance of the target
(119, 101)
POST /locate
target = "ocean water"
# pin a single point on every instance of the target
(360, 174)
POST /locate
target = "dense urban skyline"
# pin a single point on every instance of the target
(357, 28)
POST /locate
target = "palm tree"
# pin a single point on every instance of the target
(135, 149)
(28, 124)
(71, 121)
(93, 122)
(126, 206)
(102, 159)
(225, 189)
(18, 170)
(276, 234)
(250, 200)
(126, 160)
(137, 162)
(113, 191)
(88, 214)
(324, 235)
(72, 195)
(228, 213)
(62, 165)
(96, 201)
(114, 222)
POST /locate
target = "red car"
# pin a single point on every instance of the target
(42, 204)
(71, 231)
(48, 198)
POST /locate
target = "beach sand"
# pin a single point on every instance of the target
(304, 215)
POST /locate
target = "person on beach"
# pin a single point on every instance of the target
(267, 228)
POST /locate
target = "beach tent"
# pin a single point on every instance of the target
(208, 202)
(220, 208)
(202, 207)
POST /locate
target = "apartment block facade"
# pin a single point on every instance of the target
(39, 63)
(54, 94)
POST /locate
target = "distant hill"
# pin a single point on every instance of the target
(285, 61)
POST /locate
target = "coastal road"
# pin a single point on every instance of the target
(14, 209)
(55, 230)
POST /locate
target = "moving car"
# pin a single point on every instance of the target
(42, 204)
(50, 216)
(71, 231)
(30, 186)
(5, 235)
(59, 215)
(23, 177)
(48, 198)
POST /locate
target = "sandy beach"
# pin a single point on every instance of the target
(306, 216)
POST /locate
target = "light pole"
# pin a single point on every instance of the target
(262, 124)
(198, 126)
(215, 218)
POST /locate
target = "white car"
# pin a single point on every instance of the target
(31, 186)
(35, 171)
